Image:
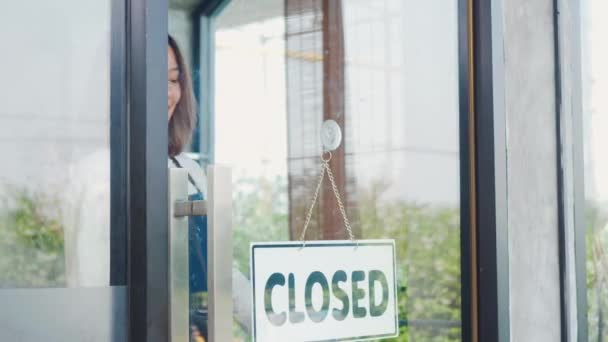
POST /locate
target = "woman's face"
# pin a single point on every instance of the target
(175, 91)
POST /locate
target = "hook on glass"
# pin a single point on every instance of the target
(331, 135)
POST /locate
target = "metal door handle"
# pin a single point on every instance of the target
(179, 281)
(218, 209)
(190, 208)
(219, 251)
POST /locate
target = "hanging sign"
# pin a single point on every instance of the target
(324, 290)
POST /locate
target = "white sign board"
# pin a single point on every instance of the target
(328, 290)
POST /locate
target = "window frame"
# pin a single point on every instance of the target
(145, 47)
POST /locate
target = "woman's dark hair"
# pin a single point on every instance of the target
(183, 120)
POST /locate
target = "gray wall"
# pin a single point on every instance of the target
(532, 201)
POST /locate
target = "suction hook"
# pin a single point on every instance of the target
(331, 135)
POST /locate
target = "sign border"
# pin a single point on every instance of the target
(325, 243)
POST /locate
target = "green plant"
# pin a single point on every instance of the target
(596, 239)
(31, 241)
(427, 239)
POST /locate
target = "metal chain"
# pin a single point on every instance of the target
(340, 205)
(325, 166)
(312, 205)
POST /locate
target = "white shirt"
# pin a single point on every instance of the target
(194, 170)
(86, 216)
(86, 221)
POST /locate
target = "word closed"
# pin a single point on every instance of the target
(328, 290)
(356, 295)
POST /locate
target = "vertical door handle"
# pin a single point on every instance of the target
(179, 277)
(219, 249)
(218, 209)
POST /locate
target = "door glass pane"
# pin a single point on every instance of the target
(595, 129)
(55, 234)
(54, 136)
(387, 72)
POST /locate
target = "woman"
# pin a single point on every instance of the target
(182, 119)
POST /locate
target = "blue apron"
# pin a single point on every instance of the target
(197, 249)
(197, 255)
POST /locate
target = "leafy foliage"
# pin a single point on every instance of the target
(31, 241)
(596, 236)
(427, 240)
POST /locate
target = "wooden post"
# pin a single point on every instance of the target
(332, 224)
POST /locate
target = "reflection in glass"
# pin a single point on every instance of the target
(387, 72)
(595, 125)
(54, 139)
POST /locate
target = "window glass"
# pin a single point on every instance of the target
(54, 142)
(595, 132)
(387, 72)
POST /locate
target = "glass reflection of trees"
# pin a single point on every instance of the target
(31, 240)
(427, 240)
(596, 235)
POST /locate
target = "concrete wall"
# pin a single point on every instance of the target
(530, 111)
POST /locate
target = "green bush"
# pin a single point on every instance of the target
(596, 236)
(427, 240)
(31, 241)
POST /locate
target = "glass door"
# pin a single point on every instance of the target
(387, 72)
(63, 266)
(270, 76)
